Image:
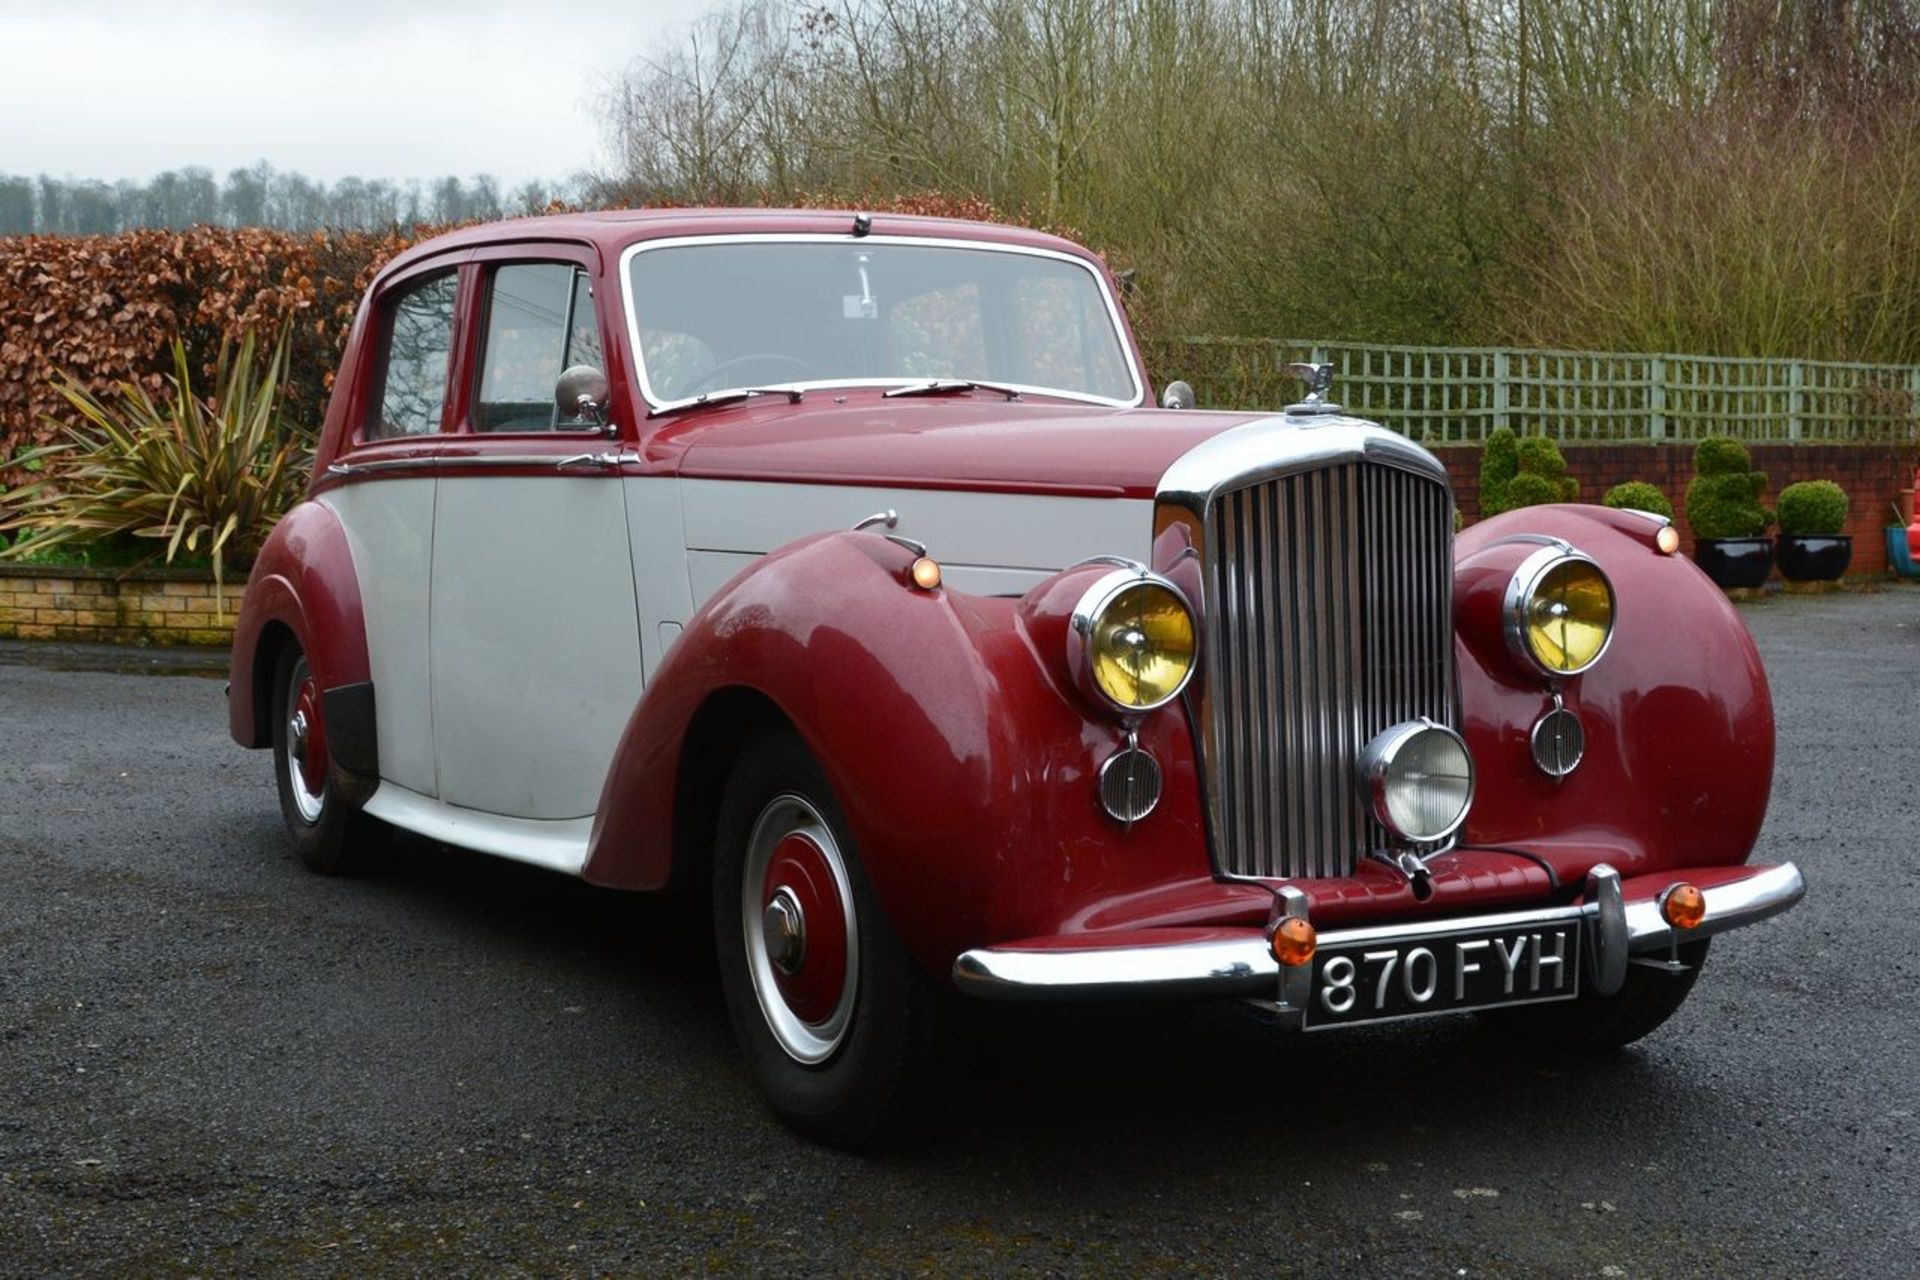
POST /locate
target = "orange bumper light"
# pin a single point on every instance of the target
(1683, 906)
(926, 573)
(1293, 942)
(1667, 540)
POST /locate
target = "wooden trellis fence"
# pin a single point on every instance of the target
(1459, 394)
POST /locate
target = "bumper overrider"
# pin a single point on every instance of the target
(1618, 923)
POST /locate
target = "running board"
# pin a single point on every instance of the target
(556, 845)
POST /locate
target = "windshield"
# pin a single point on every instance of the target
(719, 315)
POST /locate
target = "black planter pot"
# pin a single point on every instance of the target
(1810, 557)
(1735, 562)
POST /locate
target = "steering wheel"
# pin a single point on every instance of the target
(708, 378)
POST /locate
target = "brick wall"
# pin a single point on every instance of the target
(151, 606)
(1874, 476)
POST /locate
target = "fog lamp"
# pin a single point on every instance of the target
(1683, 906)
(1417, 779)
(1559, 611)
(1133, 641)
(1294, 942)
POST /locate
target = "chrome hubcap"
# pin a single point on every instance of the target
(306, 745)
(784, 928)
(802, 936)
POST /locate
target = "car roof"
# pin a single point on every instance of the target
(612, 230)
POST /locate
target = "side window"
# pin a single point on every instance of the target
(413, 392)
(539, 321)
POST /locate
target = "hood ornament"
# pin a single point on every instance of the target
(1319, 379)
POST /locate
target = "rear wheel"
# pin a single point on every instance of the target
(1598, 1023)
(330, 837)
(835, 1019)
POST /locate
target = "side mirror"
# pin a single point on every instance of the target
(1177, 395)
(581, 395)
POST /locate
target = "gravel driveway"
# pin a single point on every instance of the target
(214, 1063)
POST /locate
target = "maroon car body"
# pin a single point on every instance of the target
(942, 758)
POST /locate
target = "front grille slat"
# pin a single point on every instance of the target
(1332, 594)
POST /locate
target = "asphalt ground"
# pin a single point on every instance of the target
(215, 1063)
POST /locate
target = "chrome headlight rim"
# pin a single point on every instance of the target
(1086, 616)
(1526, 581)
(1376, 766)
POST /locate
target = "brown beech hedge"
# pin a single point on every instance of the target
(105, 308)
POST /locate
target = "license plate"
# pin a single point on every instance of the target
(1385, 980)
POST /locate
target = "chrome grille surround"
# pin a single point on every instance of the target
(1319, 551)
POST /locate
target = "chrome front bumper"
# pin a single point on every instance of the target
(1617, 931)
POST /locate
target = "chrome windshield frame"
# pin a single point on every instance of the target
(656, 403)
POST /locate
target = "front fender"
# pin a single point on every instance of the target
(966, 773)
(1678, 717)
(304, 581)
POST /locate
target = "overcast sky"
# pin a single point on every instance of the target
(119, 89)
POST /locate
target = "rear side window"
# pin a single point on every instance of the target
(540, 321)
(413, 391)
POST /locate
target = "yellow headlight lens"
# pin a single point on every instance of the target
(1569, 616)
(1142, 646)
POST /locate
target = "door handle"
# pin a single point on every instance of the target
(605, 461)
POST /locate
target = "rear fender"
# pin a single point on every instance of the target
(303, 590)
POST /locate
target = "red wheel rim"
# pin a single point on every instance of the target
(814, 988)
(313, 767)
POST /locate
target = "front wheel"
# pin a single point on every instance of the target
(330, 837)
(1595, 1022)
(832, 1014)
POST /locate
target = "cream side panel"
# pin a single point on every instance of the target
(660, 579)
(389, 526)
(985, 542)
(536, 644)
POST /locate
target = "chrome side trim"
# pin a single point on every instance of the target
(1246, 967)
(481, 462)
(422, 463)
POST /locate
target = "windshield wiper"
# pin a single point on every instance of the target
(939, 386)
(732, 395)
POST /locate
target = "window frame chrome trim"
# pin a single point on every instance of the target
(1130, 357)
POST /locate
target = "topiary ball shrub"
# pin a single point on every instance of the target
(1638, 495)
(1499, 464)
(1723, 498)
(1541, 457)
(1813, 508)
(1522, 471)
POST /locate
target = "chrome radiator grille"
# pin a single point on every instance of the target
(1330, 618)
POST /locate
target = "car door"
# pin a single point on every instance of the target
(535, 637)
(384, 500)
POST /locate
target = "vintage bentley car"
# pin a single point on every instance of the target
(842, 570)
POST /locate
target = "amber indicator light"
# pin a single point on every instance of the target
(1293, 942)
(1683, 906)
(1667, 540)
(926, 573)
